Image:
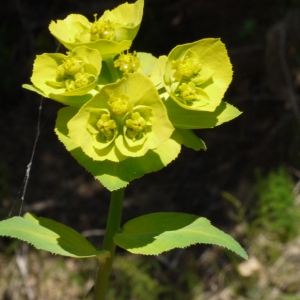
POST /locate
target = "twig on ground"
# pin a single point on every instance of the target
(21, 259)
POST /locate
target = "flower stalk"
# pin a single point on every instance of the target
(112, 227)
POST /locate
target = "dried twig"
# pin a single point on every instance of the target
(21, 260)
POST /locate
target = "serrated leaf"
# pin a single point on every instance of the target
(155, 233)
(116, 175)
(46, 234)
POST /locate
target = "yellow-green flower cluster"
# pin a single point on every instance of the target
(103, 30)
(190, 75)
(125, 119)
(59, 77)
(127, 62)
(198, 74)
(112, 33)
(129, 112)
(72, 74)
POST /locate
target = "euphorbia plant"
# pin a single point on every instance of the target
(127, 114)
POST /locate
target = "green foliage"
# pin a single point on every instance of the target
(192, 119)
(159, 232)
(116, 175)
(276, 213)
(48, 235)
(131, 280)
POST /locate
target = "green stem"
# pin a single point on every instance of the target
(112, 70)
(112, 227)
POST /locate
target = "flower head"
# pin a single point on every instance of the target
(107, 127)
(189, 93)
(126, 119)
(103, 30)
(198, 74)
(127, 62)
(187, 68)
(111, 34)
(58, 76)
(120, 105)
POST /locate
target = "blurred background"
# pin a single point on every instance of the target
(246, 183)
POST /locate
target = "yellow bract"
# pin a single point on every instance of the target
(198, 74)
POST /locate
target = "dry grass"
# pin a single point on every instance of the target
(53, 278)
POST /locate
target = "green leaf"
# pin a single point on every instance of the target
(191, 140)
(75, 101)
(155, 233)
(117, 175)
(32, 88)
(49, 235)
(191, 119)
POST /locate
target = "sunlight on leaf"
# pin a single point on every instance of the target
(155, 233)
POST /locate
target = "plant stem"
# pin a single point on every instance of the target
(112, 70)
(112, 227)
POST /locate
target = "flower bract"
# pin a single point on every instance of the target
(110, 34)
(75, 74)
(125, 119)
(198, 74)
(129, 112)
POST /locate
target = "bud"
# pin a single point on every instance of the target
(103, 30)
(119, 105)
(107, 127)
(72, 65)
(189, 93)
(186, 69)
(136, 126)
(127, 63)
